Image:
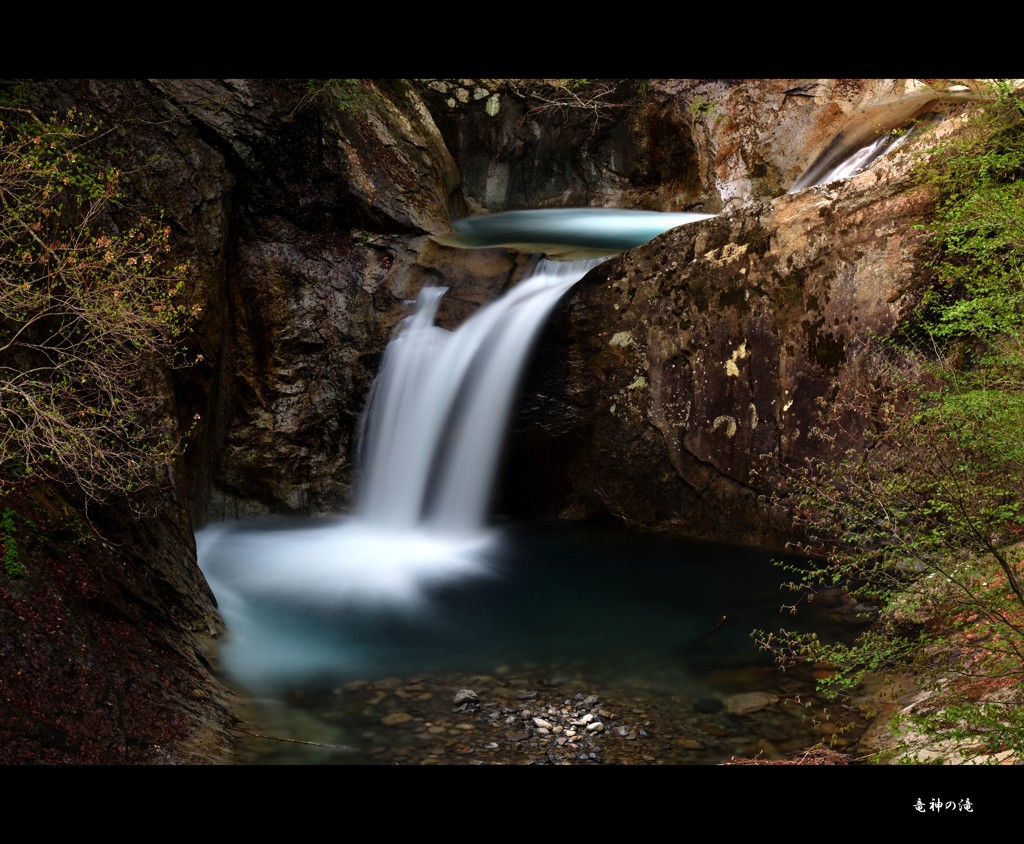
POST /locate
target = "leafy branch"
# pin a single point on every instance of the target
(919, 511)
(88, 309)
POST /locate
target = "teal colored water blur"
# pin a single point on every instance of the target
(611, 603)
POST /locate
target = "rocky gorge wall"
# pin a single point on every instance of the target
(338, 194)
(680, 383)
(697, 363)
(657, 144)
(308, 211)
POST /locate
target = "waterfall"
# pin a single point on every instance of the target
(299, 596)
(821, 173)
(433, 429)
(864, 157)
(431, 440)
(876, 130)
(434, 426)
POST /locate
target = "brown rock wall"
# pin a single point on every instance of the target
(698, 355)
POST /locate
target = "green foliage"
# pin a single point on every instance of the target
(919, 515)
(702, 106)
(347, 95)
(90, 302)
(979, 225)
(9, 541)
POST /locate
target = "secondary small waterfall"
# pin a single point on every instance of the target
(823, 172)
(876, 130)
(436, 419)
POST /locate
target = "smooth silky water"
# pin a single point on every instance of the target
(613, 602)
(567, 609)
(416, 585)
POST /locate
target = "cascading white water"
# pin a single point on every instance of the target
(860, 159)
(436, 420)
(432, 436)
(433, 432)
(294, 593)
(866, 155)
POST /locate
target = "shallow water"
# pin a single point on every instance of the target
(641, 620)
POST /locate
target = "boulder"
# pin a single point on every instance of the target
(694, 366)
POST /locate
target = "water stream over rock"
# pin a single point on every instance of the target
(416, 586)
(431, 442)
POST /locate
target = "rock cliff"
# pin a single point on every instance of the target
(696, 364)
(307, 212)
(658, 144)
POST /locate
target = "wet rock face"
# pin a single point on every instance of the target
(306, 213)
(311, 321)
(527, 143)
(694, 358)
(331, 243)
(339, 189)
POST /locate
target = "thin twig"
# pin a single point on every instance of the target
(298, 741)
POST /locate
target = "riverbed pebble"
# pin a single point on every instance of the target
(509, 719)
